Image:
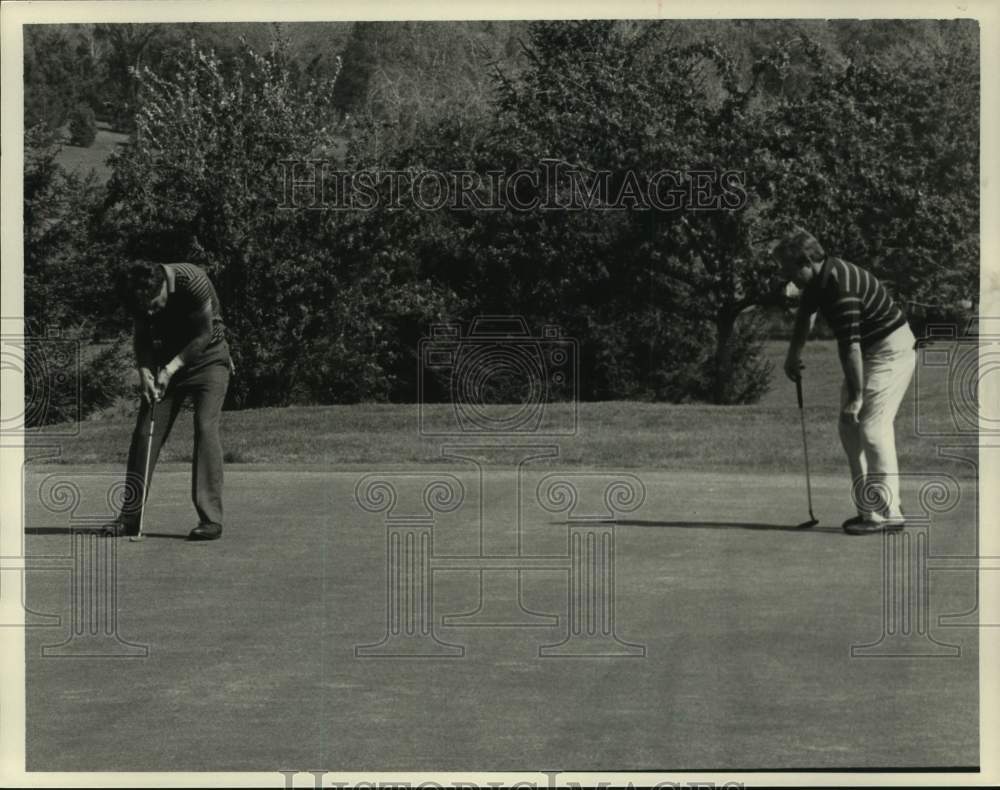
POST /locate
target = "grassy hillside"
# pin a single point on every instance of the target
(95, 158)
(765, 436)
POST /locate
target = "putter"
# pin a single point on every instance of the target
(145, 474)
(813, 521)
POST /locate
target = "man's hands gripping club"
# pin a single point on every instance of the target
(154, 386)
(150, 389)
(793, 367)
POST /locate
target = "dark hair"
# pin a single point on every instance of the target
(142, 282)
(799, 247)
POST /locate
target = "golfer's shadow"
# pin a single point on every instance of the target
(95, 531)
(721, 525)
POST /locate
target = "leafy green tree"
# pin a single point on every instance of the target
(658, 291)
(82, 126)
(862, 153)
(202, 180)
(65, 276)
(127, 47)
(868, 135)
(664, 302)
(361, 60)
(52, 84)
(205, 180)
(882, 164)
(653, 297)
(61, 278)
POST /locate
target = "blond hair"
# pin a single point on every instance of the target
(798, 248)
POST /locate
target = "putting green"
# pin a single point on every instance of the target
(740, 629)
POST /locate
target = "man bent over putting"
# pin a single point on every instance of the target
(877, 355)
(181, 353)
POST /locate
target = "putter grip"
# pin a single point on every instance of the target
(798, 390)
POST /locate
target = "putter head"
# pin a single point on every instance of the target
(810, 523)
(136, 538)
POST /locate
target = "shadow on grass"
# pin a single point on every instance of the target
(724, 525)
(96, 531)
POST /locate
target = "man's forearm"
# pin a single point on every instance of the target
(202, 326)
(852, 362)
(803, 324)
(191, 351)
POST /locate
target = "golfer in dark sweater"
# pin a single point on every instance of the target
(181, 353)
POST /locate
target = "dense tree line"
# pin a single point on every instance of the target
(866, 133)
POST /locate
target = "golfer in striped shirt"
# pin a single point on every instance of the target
(877, 355)
(181, 353)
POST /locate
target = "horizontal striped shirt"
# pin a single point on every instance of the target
(170, 332)
(855, 305)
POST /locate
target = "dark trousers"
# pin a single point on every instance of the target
(206, 385)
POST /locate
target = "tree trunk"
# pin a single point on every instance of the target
(725, 326)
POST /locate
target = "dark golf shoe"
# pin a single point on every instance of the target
(206, 532)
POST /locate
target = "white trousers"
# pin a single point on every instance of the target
(870, 444)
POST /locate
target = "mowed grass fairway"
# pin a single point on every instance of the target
(740, 628)
(615, 435)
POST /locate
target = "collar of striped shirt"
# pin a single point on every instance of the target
(168, 272)
(826, 271)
